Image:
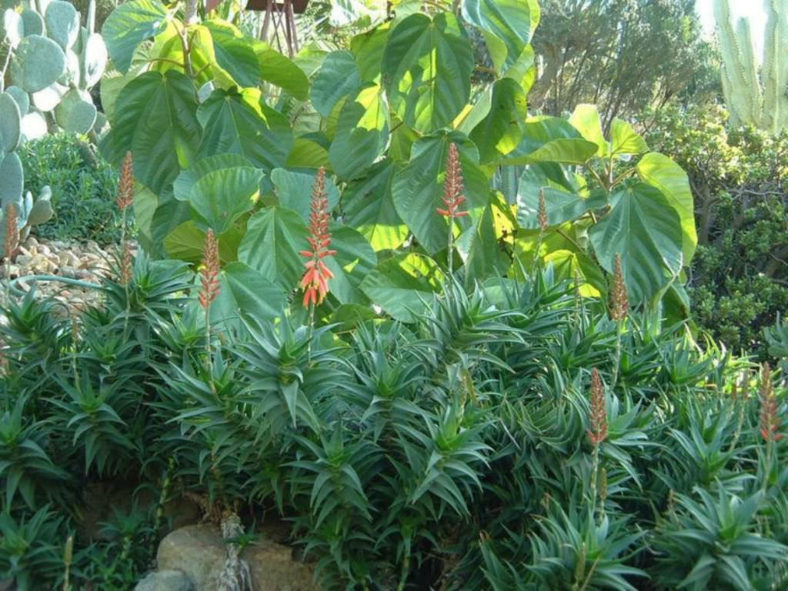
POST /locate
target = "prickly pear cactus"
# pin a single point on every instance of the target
(53, 64)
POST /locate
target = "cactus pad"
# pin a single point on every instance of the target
(38, 62)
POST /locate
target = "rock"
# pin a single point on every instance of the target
(44, 250)
(23, 260)
(198, 551)
(165, 580)
(273, 568)
(31, 242)
(41, 264)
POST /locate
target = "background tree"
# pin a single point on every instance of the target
(620, 55)
(739, 181)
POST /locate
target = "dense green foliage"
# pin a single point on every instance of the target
(739, 180)
(83, 188)
(475, 404)
(623, 55)
(228, 134)
(451, 451)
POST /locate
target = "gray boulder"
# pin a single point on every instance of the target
(199, 552)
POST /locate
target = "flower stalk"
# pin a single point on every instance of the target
(316, 276)
(124, 199)
(453, 199)
(542, 220)
(10, 244)
(619, 308)
(769, 419)
(599, 427)
(209, 285)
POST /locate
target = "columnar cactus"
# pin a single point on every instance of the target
(756, 100)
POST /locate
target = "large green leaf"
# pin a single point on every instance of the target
(337, 77)
(500, 131)
(480, 249)
(368, 48)
(404, 286)
(427, 66)
(220, 197)
(182, 187)
(157, 216)
(155, 118)
(644, 228)
(245, 291)
(241, 123)
(280, 71)
(418, 187)
(362, 133)
(234, 54)
(187, 243)
(571, 264)
(507, 22)
(585, 118)
(353, 261)
(562, 203)
(130, 24)
(660, 171)
(294, 190)
(625, 141)
(274, 238)
(308, 153)
(551, 139)
(369, 207)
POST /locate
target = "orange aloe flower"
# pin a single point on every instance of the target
(315, 279)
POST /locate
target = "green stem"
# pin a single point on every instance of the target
(208, 354)
(310, 332)
(451, 247)
(125, 284)
(403, 578)
(617, 355)
(594, 471)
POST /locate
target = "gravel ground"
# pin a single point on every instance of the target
(86, 261)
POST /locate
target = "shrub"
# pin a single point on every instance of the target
(739, 181)
(83, 188)
(453, 450)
